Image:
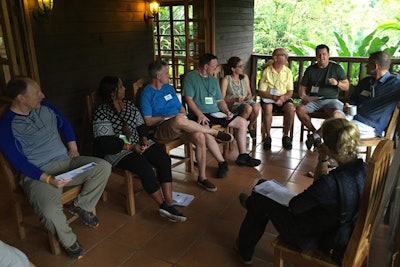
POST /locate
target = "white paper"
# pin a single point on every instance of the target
(181, 199)
(219, 115)
(275, 191)
(75, 172)
(268, 100)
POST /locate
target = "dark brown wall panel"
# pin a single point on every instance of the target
(84, 40)
(234, 26)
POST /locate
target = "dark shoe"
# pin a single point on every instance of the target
(222, 169)
(242, 199)
(207, 185)
(311, 141)
(224, 137)
(267, 143)
(317, 142)
(171, 213)
(75, 251)
(245, 259)
(246, 160)
(287, 143)
(88, 217)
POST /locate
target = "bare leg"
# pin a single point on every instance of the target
(199, 139)
(267, 119)
(246, 112)
(253, 116)
(158, 197)
(289, 110)
(240, 125)
(167, 192)
(213, 147)
(189, 126)
(304, 117)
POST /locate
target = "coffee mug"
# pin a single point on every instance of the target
(351, 110)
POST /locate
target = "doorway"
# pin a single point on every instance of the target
(183, 30)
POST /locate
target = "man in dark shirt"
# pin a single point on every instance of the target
(319, 90)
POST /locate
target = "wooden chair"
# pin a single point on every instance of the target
(18, 198)
(91, 101)
(357, 250)
(390, 131)
(168, 146)
(274, 126)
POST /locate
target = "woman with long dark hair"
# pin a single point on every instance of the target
(122, 139)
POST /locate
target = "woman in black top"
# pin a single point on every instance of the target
(312, 218)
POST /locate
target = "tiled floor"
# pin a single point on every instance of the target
(146, 239)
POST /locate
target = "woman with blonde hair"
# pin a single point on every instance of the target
(312, 218)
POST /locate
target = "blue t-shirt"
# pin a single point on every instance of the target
(163, 102)
(376, 100)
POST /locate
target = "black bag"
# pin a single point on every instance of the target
(105, 145)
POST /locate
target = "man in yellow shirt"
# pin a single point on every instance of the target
(276, 90)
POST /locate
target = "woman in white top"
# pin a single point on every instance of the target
(235, 88)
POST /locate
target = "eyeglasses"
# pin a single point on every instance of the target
(279, 55)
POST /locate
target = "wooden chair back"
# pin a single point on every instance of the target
(136, 90)
(378, 166)
(91, 103)
(168, 145)
(220, 72)
(357, 250)
(390, 132)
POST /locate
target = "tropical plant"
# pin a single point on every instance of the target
(361, 46)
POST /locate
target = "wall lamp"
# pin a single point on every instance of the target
(152, 11)
(42, 12)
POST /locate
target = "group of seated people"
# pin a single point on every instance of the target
(34, 132)
(375, 97)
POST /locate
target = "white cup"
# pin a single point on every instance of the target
(351, 110)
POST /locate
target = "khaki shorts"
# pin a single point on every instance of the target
(165, 131)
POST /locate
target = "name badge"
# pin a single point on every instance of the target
(273, 91)
(314, 89)
(208, 100)
(365, 93)
(168, 97)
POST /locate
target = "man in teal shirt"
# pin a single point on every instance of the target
(203, 96)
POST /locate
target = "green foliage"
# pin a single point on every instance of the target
(299, 25)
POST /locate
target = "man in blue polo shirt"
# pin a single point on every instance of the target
(375, 96)
(162, 111)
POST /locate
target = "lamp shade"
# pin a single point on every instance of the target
(45, 4)
(154, 6)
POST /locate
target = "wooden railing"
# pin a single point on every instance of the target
(353, 66)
